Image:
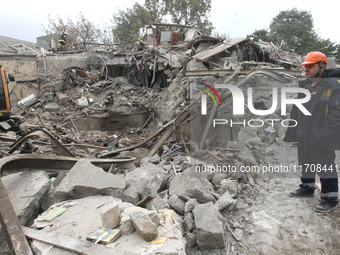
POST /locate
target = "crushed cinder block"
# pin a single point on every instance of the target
(209, 227)
(110, 215)
(85, 179)
(143, 225)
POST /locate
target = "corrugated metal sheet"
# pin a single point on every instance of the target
(204, 54)
(5, 42)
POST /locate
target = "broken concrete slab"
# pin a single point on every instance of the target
(85, 179)
(32, 187)
(26, 191)
(141, 177)
(143, 225)
(82, 217)
(193, 187)
(209, 227)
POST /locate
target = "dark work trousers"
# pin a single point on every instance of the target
(322, 163)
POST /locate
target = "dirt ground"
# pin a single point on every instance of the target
(280, 224)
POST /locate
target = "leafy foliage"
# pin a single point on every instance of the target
(127, 23)
(190, 12)
(296, 29)
(262, 34)
(183, 12)
(82, 30)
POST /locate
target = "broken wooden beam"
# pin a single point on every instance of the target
(11, 226)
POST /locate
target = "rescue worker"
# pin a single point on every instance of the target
(318, 135)
(62, 39)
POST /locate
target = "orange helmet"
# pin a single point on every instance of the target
(314, 57)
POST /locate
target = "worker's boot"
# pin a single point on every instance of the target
(324, 208)
(303, 191)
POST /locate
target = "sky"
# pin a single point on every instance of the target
(24, 20)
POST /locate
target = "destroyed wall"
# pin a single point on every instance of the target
(56, 64)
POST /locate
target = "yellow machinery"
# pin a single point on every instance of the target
(5, 104)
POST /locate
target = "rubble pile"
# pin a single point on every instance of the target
(119, 101)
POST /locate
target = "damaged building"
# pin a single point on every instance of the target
(116, 134)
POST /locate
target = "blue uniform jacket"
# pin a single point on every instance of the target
(321, 130)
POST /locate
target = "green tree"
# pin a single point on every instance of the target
(295, 28)
(127, 23)
(262, 34)
(189, 12)
(157, 10)
(183, 12)
(326, 46)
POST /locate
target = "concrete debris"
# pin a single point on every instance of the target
(158, 204)
(127, 227)
(32, 187)
(225, 202)
(81, 218)
(190, 205)
(130, 195)
(85, 179)
(144, 226)
(110, 216)
(209, 227)
(177, 204)
(142, 177)
(199, 188)
(137, 100)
